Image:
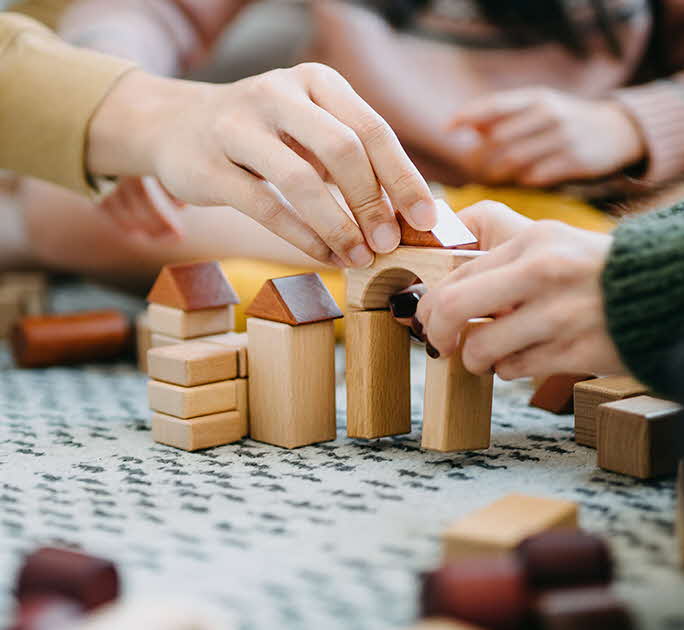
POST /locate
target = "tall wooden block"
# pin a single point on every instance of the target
(378, 375)
(680, 512)
(457, 413)
(143, 340)
(504, 524)
(590, 394)
(197, 433)
(186, 324)
(640, 436)
(292, 382)
(233, 340)
(243, 403)
(157, 340)
(188, 402)
(193, 363)
(555, 393)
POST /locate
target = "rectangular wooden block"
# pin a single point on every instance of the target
(291, 382)
(378, 375)
(188, 324)
(555, 393)
(157, 340)
(457, 412)
(502, 525)
(590, 394)
(640, 436)
(32, 288)
(233, 340)
(10, 309)
(188, 402)
(193, 363)
(680, 513)
(197, 433)
(143, 340)
(242, 385)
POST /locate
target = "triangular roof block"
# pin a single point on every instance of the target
(448, 233)
(192, 286)
(295, 300)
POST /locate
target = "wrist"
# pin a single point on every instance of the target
(628, 135)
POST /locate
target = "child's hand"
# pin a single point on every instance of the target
(542, 283)
(542, 137)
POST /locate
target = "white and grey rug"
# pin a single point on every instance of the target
(325, 537)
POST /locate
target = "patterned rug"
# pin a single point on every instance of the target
(324, 537)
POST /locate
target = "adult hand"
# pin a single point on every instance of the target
(542, 137)
(542, 283)
(255, 145)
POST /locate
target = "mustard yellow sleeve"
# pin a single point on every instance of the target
(49, 91)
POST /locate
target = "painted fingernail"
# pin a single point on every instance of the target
(404, 304)
(417, 328)
(433, 353)
(386, 237)
(361, 256)
(415, 337)
(424, 214)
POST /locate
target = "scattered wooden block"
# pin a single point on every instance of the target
(187, 324)
(556, 393)
(233, 340)
(193, 363)
(189, 402)
(32, 288)
(192, 287)
(457, 413)
(197, 433)
(157, 340)
(501, 526)
(10, 309)
(377, 375)
(243, 403)
(292, 382)
(294, 300)
(143, 340)
(590, 394)
(680, 512)
(449, 231)
(640, 436)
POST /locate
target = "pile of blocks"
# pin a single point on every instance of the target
(21, 293)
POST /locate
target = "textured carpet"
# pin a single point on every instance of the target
(324, 537)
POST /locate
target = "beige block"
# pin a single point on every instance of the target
(502, 525)
(196, 433)
(457, 412)
(436, 623)
(193, 363)
(33, 288)
(377, 374)
(157, 340)
(292, 382)
(11, 309)
(188, 402)
(143, 340)
(243, 403)
(189, 324)
(234, 340)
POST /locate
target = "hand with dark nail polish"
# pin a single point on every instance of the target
(433, 353)
(417, 329)
(404, 305)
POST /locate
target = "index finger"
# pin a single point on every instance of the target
(489, 110)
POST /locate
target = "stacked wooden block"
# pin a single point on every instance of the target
(21, 293)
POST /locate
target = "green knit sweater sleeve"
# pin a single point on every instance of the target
(643, 285)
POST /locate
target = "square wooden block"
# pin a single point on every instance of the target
(188, 324)
(233, 340)
(640, 436)
(193, 363)
(157, 340)
(502, 525)
(590, 394)
(201, 432)
(189, 402)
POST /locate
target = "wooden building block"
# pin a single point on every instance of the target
(680, 513)
(10, 309)
(243, 403)
(555, 393)
(32, 288)
(143, 340)
(188, 324)
(291, 382)
(193, 363)
(233, 340)
(640, 436)
(196, 433)
(502, 525)
(377, 375)
(189, 402)
(157, 340)
(457, 412)
(449, 231)
(590, 394)
(192, 287)
(442, 623)
(371, 288)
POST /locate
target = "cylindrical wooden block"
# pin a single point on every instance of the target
(564, 558)
(489, 591)
(43, 341)
(88, 580)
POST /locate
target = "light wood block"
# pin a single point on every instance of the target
(197, 433)
(193, 363)
(32, 288)
(378, 375)
(157, 340)
(640, 436)
(502, 525)
(680, 513)
(189, 402)
(10, 309)
(143, 340)
(292, 382)
(590, 394)
(243, 403)
(187, 324)
(233, 340)
(371, 288)
(457, 413)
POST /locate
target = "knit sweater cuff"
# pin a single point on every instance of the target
(643, 286)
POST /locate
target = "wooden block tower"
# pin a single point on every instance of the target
(292, 362)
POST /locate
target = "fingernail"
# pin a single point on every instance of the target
(404, 304)
(417, 328)
(386, 237)
(336, 260)
(361, 256)
(424, 214)
(414, 336)
(433, 353)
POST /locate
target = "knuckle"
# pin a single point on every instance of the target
(268, 210)
(476, 354)
(344, 235)
(301, 177)
(406, 181)
(345, 147)
(374, 129)
(315, 70)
